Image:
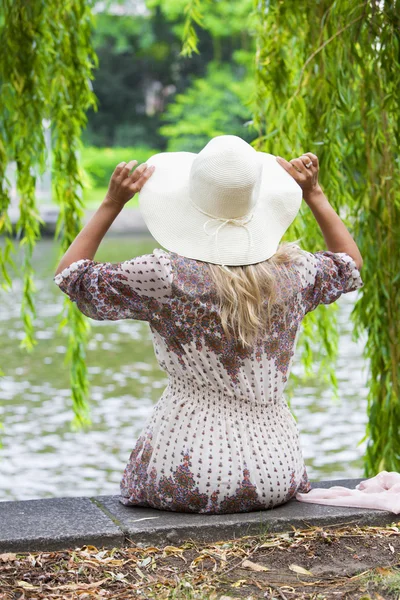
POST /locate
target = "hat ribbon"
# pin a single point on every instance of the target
(239, 221)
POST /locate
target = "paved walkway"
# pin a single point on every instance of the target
(102, 521)
(129, 220)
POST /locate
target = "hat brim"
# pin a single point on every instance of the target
(179, 227)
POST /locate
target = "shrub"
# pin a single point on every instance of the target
(99, 163)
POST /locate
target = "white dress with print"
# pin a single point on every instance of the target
(221, 438)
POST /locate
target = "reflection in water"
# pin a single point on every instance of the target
(42, 458)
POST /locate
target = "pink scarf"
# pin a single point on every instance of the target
(381, 492)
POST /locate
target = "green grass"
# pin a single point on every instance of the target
(388, 581)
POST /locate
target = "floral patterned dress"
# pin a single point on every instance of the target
(221, 438)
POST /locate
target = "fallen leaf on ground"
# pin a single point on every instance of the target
(145, 562)
(253, 566)
(298, 569)
(238, 583)
(172, 549)
(140, 573)
(200, 558)
(385, 571)
(8, 556)
(26, 585)
(79, 586)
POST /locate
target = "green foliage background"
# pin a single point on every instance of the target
(213, 105)
(321, 77)
(134, 52)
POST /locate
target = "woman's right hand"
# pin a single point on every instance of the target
(307, 178)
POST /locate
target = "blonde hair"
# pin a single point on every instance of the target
(248, 293)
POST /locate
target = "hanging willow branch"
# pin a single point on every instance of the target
(328, 81)
(46, 66)
(190, 39)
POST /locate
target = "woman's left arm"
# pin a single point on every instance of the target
(122, 187)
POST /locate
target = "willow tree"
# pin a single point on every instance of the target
(327, 80)
(46, 65)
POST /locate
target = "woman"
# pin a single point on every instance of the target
(224, 300)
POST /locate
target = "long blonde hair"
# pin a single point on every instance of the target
(247, 294)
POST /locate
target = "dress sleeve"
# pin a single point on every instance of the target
(328, 275)
(111, 291)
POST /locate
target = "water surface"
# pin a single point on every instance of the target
(42, 458)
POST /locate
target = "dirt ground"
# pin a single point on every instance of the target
(341, 562)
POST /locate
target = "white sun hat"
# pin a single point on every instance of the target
(228, 205)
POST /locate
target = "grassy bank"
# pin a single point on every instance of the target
(342, 562)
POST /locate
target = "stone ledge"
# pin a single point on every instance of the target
(102, 521)
(55, 524)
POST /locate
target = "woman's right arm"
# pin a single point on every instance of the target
(336, 234)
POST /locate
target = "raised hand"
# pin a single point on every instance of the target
(124, 184)
(304, 171)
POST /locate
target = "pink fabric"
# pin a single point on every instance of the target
(381, 492)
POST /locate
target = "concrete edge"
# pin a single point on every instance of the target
(212, 533)
(177, 530)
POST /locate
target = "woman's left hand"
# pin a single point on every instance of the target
(124, 184)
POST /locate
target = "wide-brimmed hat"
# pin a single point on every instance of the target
(227, 205)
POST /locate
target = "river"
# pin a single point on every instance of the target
(42, 458)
